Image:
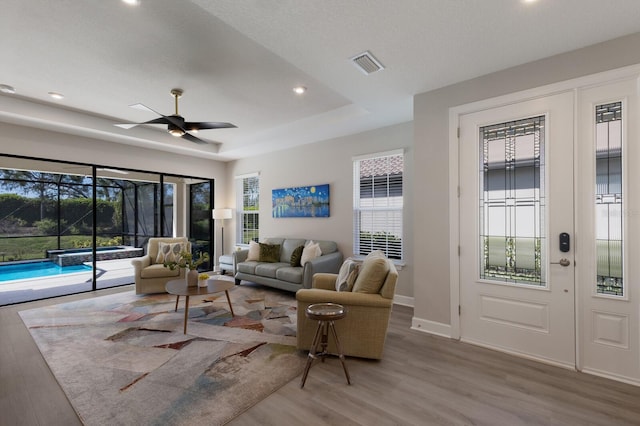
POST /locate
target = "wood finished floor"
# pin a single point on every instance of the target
(422, 380)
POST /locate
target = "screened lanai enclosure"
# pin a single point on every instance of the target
(67, 228)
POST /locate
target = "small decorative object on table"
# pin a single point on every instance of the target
(186, 261)
(202, 279)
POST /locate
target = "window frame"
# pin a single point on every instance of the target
(393, 209)
(242, 212)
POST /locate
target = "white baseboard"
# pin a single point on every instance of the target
(403, 300)
(431, 327)
(612, 376)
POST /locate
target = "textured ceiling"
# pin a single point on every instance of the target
(238, 60)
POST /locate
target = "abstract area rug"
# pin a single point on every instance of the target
(123, 359)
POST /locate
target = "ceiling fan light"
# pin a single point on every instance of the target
(176, 132)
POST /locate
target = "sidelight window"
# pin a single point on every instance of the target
(608, 199)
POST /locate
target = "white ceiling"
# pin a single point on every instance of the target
(238, 60)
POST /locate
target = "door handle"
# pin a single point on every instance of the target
(563, 262)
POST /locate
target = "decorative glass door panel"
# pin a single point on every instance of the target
(512, 202)
(608, 200)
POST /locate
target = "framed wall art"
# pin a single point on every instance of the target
(301, 201)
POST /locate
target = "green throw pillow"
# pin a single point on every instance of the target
(296, 256)
(269, 253)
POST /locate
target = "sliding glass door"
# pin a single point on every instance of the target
(67, 228)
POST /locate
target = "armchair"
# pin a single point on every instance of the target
(363, 331)
(150, 275)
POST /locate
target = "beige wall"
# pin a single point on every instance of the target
(431, 139)
(320, 163)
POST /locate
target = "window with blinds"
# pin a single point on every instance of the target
(248, 209)
(378, 204)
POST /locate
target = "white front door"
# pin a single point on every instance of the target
(550, 229)
(516, 199)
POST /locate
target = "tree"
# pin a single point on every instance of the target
(44, 186)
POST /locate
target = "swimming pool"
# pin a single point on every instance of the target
(21, 271)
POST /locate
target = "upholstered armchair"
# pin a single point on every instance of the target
(363, 331)
(150, 274)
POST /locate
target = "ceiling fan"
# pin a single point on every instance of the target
(176, 124)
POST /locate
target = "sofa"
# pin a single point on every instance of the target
(363, 331)
(279, 273)
(149, 272)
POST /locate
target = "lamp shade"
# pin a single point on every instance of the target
(221, 213)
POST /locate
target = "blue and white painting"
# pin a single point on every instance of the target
(302, 201)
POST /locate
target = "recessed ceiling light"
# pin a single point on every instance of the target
(131, 2)
(56, 95)
(5, 88)
(299, 90)
(529, 1)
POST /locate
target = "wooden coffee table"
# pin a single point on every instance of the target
(214, 285)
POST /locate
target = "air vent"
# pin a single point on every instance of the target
(367, 63)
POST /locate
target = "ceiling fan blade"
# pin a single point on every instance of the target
(126, 125)
(145, 108)
(208, 125)
(159, 120)
(194, 139)
(177, 121)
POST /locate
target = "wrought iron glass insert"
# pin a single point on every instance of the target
(512, 202)
(608, 200)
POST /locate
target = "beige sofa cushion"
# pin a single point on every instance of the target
(372, 275)
(157, 270)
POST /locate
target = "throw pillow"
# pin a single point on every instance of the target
(351, 279)
(269, 253)
(169, 252)
(376, 253)
(254, 251)
(372, 275)
(310, 251)
(296, 256)
(348, 269)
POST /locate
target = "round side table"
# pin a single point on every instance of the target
(325, 314)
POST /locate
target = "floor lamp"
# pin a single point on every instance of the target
(221, 214)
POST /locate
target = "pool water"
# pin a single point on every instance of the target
(21, 271)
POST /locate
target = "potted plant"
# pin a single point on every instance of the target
(187, 261)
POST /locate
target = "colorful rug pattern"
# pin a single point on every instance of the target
(122, 359)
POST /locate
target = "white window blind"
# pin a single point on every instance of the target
(248, 208)
(378, 204)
